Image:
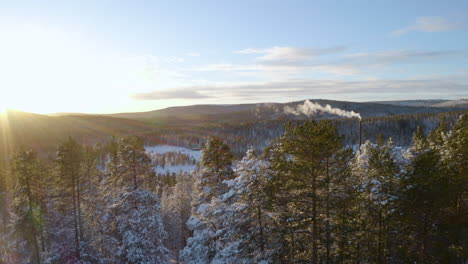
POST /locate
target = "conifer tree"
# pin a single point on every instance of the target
(176, 210)
(454, 154)
(131, 165)
(4, 218)
(247, 236)
(27, 218)
(134, 231)
(421, 199)
(309, 150)
(215, 168)
(378, 172)
(69, 161)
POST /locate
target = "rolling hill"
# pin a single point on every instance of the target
(43, 133)
(273, 111)
(460, 103)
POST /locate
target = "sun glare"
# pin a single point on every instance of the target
(47, 69)
(3, 106)
(42, 69)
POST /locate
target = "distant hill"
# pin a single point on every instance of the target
(43, 133)
(460, 103)
(185, 125)
(269, 111)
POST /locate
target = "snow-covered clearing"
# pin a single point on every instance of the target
(196, 154)
(161, 149)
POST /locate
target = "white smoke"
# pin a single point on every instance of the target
(309, 109)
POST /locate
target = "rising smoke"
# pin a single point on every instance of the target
(309, 109)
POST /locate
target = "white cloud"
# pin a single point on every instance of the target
(287, 55)
(430, 24)
(170, 94)
(307, 88)
(311, 88)
(288, 62)
(396, 57)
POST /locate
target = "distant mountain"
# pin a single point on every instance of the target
(269, 111)
(460, 103)
(187, 111)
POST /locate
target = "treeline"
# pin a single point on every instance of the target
(172, 158)
(260, 133)
(66, 210)
(306, 198)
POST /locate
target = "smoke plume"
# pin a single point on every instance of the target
(309, 109)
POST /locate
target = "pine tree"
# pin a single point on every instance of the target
(131, 165)
(92, 207)
(138, 228)
(437, 135)
(176, 210)
(310, 145)
(420, 203)
(209, 185)
(454, 154)
(4, 219)
(246, 236)
(378, 172)
(132, 220)
(27, 220)
(69, 161)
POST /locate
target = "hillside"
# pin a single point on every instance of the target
(185, 125)
(43, 132)
(460, 103)
(272, 111)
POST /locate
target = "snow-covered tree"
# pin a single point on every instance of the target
(377, 171)
(137, 228)
(245, 236)
(132, 227)
(209, 184)
(129, 164)
(27, 217)
(176, 210)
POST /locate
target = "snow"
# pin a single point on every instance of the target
(175, 168)
(160, 149)
(196, 154)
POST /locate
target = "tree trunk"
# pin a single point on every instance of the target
(134, 171)
(328, 233)
(36, 255)
(75, 222)
(314, 219)
(78, 196)
(262, 241)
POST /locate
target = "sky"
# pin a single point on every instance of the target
(105, 56)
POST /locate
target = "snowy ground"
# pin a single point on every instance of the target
(159, 149)
(166, 148)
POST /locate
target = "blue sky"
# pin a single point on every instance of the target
(118, 56)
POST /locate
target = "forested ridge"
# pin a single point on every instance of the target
(304, 197)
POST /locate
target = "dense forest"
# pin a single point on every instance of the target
(240, 136)
(303, 196)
